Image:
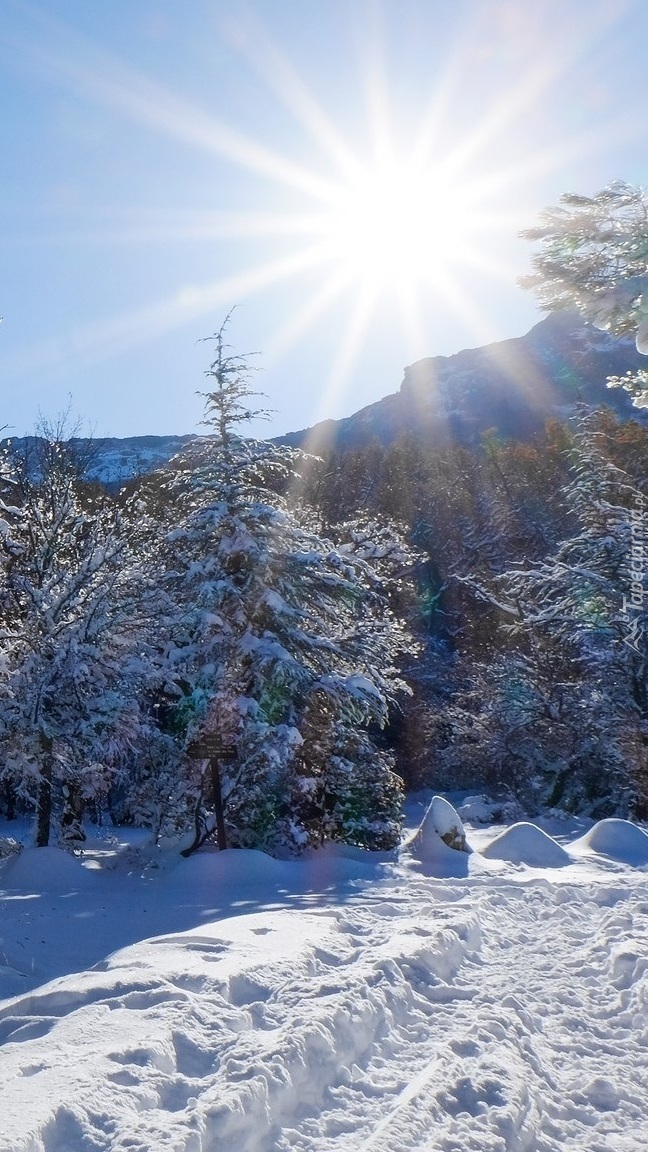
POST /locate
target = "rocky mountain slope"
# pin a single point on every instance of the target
(511, 386)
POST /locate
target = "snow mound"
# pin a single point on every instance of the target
(440, 835)
(619, 839)
(45, 870)
(243, 867)
(441, 822)
(212, 875)
(524, 843)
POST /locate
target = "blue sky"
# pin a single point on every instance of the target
(352, 175)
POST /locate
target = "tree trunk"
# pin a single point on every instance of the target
(221, 835)
(203, 831)
(10, 800)
(72, 815)
(44, 798)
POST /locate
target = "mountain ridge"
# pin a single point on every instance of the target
(511, 386)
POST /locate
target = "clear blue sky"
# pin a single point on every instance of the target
(352, 174)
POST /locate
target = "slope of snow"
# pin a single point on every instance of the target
(349, 1003)
(616, 838)
(526, 844)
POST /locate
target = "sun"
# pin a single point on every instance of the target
(395, 226)
(393, 236)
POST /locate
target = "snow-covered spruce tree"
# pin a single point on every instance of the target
(568, 704)
(284, 646)
(593, 257)
(70, 585)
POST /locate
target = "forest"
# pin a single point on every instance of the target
(267, 648)
(380, 619)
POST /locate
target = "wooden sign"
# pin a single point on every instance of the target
(210, 746)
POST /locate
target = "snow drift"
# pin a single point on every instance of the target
(348, 1003)
(525, 843)
(619, 839)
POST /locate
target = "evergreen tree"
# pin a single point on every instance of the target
(593, 257)
(285, 646)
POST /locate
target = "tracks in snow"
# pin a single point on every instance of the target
(493, 1016)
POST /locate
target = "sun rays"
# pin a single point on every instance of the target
(373, 215)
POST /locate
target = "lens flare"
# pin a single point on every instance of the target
(385, 217)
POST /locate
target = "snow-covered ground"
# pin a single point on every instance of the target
(438, 1000)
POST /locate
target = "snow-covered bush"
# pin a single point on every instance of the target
(9, 847)
(73, 583)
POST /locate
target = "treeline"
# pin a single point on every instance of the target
(531, 603)
(332, 629)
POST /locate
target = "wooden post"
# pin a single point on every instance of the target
(210, 747)
(44, 794)
(221, 835)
